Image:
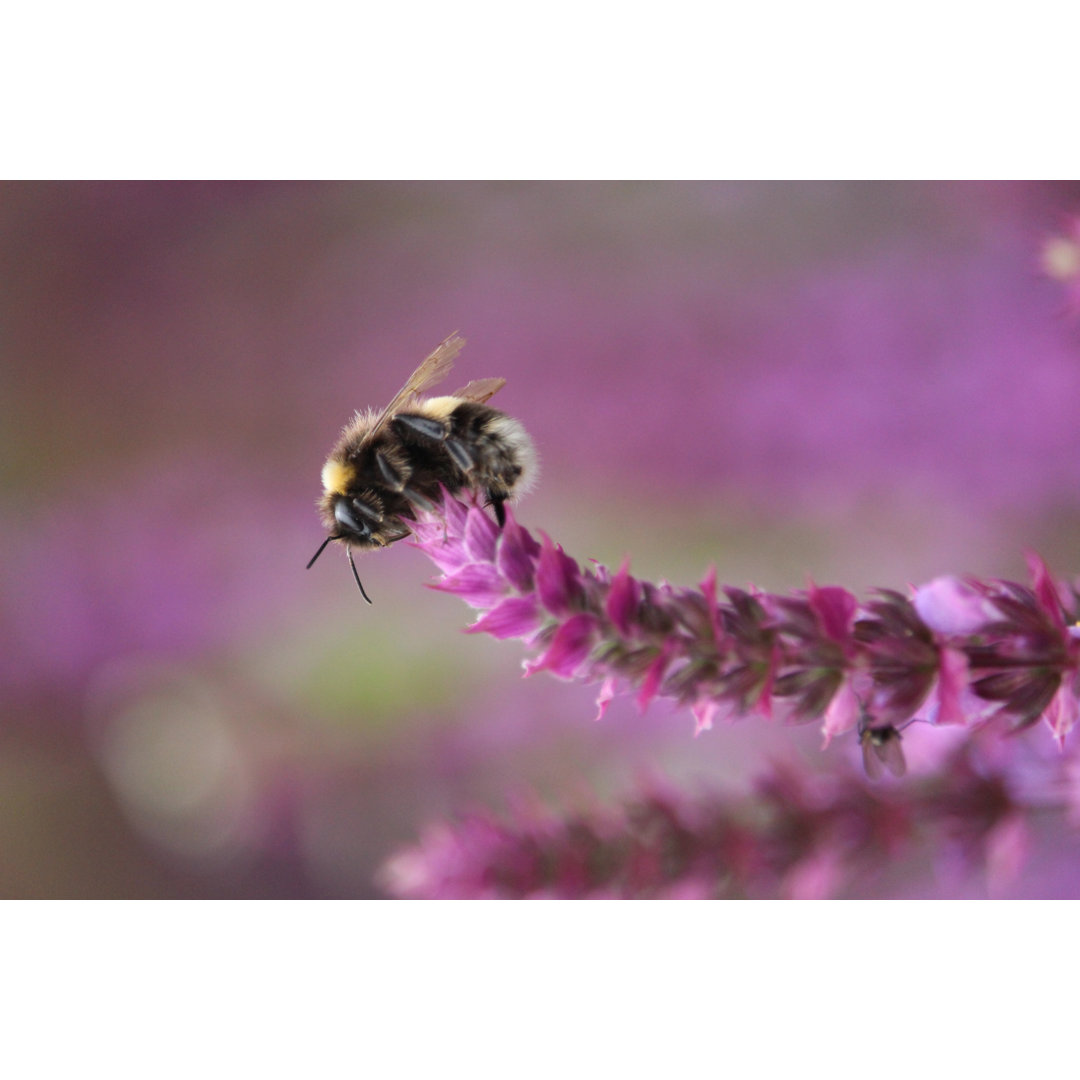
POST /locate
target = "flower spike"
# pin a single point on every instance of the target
(954, 651)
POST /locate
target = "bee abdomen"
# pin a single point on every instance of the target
(505, 460)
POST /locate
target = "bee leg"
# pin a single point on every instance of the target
(422, 425)
(500, 511)
(369, 512)
(394, 480)
(462, 458)
(420, 500)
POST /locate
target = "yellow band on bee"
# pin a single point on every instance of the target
(438, 408)
(336, 477)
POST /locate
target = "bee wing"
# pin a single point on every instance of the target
(432, 370)
(480, 389)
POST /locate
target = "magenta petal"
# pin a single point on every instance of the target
(622, 600)
(835, 609)
(708, 589)
(479, 585)
(529, 544)
(842, 713)
(1062, 713)
(514, 617)
(703, 712)
(427, 531)
(480, 536)
(456, 514)
(653, 674)
(447, 555)
(515, 555)
(558, 579)
(950, 606)
(604, 698)
(951, 684)
(569, 648)
(1046, 590)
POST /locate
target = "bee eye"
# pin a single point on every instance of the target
(350, 521)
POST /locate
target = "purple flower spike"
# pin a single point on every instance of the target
(958, 651)
(1025, 661)
(795, 835)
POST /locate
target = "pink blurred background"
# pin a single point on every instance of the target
(868, 384)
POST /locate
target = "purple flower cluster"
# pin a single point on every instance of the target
(797, 836)
(956, 651)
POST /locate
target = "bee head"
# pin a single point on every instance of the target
(355, 523)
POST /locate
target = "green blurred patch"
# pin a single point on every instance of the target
(367, 681)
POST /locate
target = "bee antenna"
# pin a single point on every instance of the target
(357, 576)
(322, 548)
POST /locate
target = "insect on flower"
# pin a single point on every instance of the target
(880, 747)
(387, 464)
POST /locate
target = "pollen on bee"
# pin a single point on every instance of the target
(336, 477)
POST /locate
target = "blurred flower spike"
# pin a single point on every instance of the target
(956, 651)
(795, 835)
(1060, 261)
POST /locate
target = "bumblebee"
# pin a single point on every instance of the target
(387, 464)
